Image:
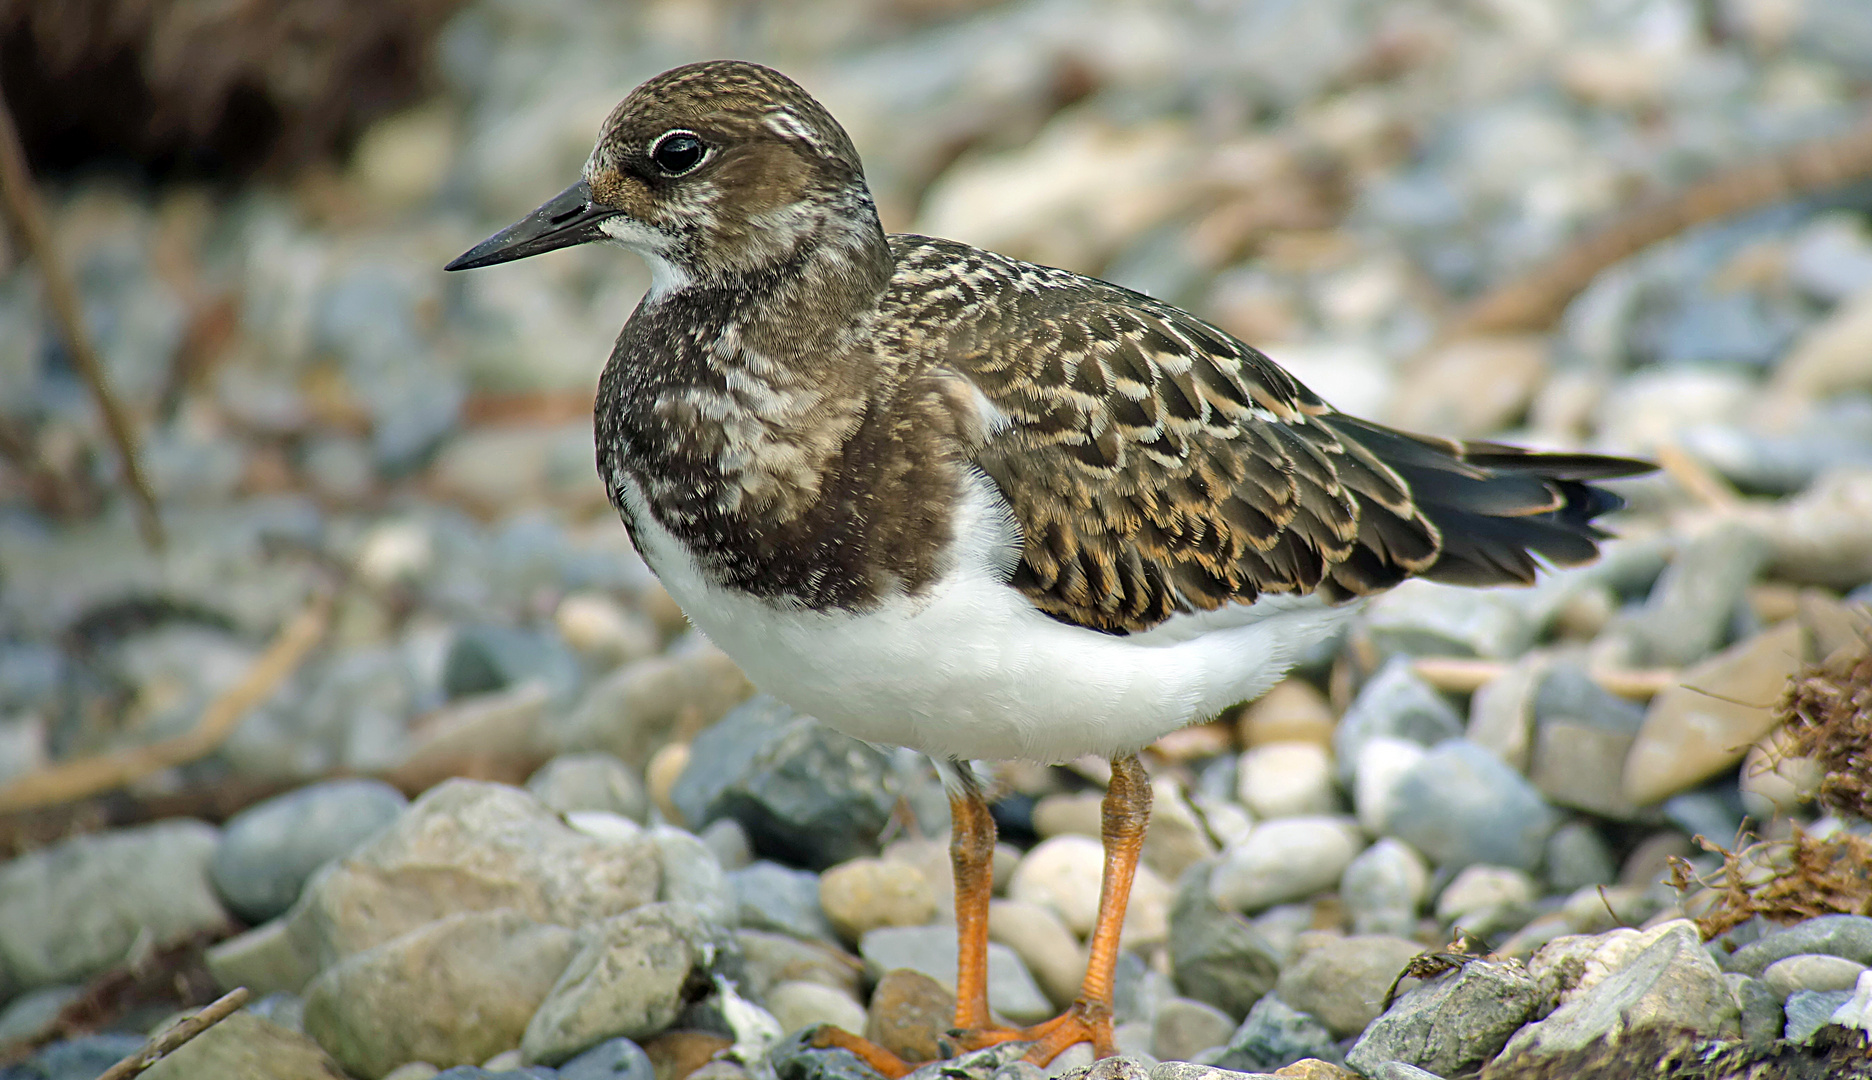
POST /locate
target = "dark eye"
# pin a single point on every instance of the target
(678, 152)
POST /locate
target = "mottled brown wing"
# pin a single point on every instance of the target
(1157, 465)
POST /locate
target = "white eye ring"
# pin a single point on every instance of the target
(672, 149)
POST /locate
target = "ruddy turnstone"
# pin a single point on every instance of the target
(945, 499)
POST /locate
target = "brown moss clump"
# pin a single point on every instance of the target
(1785, 881)
(1827, 713)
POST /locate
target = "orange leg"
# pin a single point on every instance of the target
(971, 852)
(1089, 1018)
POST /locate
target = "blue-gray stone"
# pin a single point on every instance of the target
(1217, 956)
(1810, 1010)
(1461, 805)
(476, 1072)
(483, 659)
(268, 851)
(1577, 856)
(1714, 810)
(769, 896)
(1454, 1024)
(1273, 1036)
(613, 1059)
(1395, 703)
(1849, 936)
(1762, 1018)
(77, 1059)
(793, 1059)
(806, 794)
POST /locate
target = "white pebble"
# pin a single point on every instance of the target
(1382, 762)
(1286, 779)
(1288, 859)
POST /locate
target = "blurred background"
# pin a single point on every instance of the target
(254, 199)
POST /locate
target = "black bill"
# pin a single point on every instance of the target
(569, 218)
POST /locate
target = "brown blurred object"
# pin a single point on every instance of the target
(214, 87)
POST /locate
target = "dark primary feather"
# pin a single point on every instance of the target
(1157, 465)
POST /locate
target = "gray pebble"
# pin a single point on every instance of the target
(79, 1059)
(613, 1059)
(268, 851)
(1578, 857)
(792, 1059)
(590, 781)
(72, 909)
(1453, 1024)
(1217, 956)
(693, 877)
(1396, 703)
(769, 896)
(1461, 805)
(805, 793)
(1383, 888)
(1811, 972)
(1184, 1027)
(1810, 1010)
(1274, 1035)
(931, 950)
(1762, 1018)
(1849, 936)
(729, 841)
(30, 1015)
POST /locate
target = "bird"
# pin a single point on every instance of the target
(942, 498)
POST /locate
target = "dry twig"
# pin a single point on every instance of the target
(1533, 302)
(29, 222)
(177, 1034)
(88, 776)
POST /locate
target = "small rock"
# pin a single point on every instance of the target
(1383, 762)
(633, 711)
(1478, 888)
(418, 1070)
(1689, 610)
(1577, 858)
(1461, 805)
(1342, 980)
(909, 1012)
(629, 977)
(1064, 875)
(590, 781)
(1703, 723)
(1282, 860)
(268, 851)
(1762, 1018)
(1847, 936)
(30, 1017)
(242, 1046)
(771, 959)
(1178, 837)
(456, 991)
(1774, 782)
(1395, 703)
(1582, 735)
(1217, 956)
(1043, 943)
(613, 1059)
(685, 1051)
(79, 906)
(1286, 779)
(83, 1058)
(1671, 985)
(1454, 1024)
(769, 896)
(1857, 1011)
(805, 793)
(1383, 888)
(1291, 711)
(1273, 1036)
(467, 845)
(932, 951)
(1811, 972)
(1426, 618)
(486, 659)
(1399, 1070)
(861, 895)
(606, 631)
(1810, 1010)
(692, 876)
(265, 960)
(729, 841)
(1184, 1027)
(803, 1004)
(1501, 712)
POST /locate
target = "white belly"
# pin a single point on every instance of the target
(970, 669)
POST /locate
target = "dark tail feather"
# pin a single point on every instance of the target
(1501, 510)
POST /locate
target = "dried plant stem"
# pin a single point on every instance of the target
(177, 1034)
(88, 776)
(1533, 302)
(29, 223)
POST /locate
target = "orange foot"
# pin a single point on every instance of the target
(1083, 1022)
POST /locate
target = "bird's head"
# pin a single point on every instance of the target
(710, 170)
